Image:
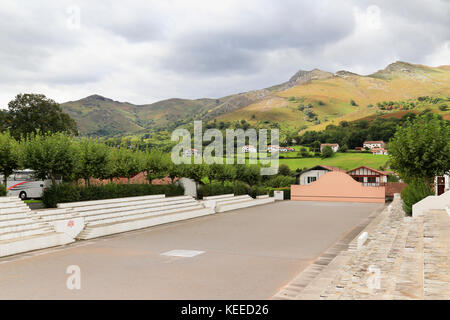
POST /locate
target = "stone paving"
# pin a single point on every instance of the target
(403, 258)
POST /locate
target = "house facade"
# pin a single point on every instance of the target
(191, 152)
(334, 146)
(373, 144)
(249, 149)
(313, 174)
(379, 151)
(369, 176)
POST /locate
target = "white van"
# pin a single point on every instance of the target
(24, 185)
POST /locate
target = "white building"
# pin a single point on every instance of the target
(249, 149)
(334, 146)
(191, 152)
(379, 151)
(314, 173)
(369, 176)
(373, 144)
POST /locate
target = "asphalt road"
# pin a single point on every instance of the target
(247, 254)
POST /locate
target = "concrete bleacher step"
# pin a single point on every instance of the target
(94, 231)
(109, 201)
(32, 242)
(97, 210)
(21, 231)
(131, 215)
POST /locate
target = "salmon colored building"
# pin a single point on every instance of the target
(337, 186)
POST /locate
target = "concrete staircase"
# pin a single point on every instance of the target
(20, 231)
(229, 202)
(106, 217)
(403, 258)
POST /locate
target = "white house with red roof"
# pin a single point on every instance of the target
(379, 151)
(369, 176)
(374, 144)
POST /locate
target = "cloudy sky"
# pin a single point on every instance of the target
(144, 51)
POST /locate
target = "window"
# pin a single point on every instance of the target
(311, 179)
(371, 179)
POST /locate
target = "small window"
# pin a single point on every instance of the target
(371, 179)
(311, 179)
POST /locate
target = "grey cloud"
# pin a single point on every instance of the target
(145, 50)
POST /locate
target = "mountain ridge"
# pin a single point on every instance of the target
(101, 116)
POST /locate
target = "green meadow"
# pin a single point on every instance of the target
(344, 161)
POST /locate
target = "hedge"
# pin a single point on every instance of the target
(286, 193)
(67, 192)
(3, 191)
(413, 193)
(237, 188)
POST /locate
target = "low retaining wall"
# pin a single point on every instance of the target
(430, 203)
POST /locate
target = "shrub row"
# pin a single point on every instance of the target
(237, 188)
(2, 190)
(68, 192)
(413, 193)
(280, 181)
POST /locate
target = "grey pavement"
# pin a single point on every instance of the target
(248, 254)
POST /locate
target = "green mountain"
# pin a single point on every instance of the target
(310, 99)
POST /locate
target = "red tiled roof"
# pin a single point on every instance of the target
(372, 169)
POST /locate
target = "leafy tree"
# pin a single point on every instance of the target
(32, 113)
(316, 145)
(284, 170)
(155, 166)
(197, 172)
(173, 170)
(415, 191)
(9, 155)
(343, 148)
(51, 156)
(420, 149)
(327, 152)
(93, 160)
(127, 163)
(250, 174)
(4, 120)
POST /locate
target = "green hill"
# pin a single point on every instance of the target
(309, 100)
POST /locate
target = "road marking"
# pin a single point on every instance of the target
(182, 253)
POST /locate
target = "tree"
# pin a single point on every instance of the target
(127, 163)
(155, 165)
(32, 113)
(315, 145)
(93, 160)
(327, 152)
(344, 148)
(250, 174)
(9, 155)
(51, 156)
(421, 148)
(284, 170)
(197, 172)
(4, 120)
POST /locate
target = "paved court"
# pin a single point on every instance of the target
(244, 254)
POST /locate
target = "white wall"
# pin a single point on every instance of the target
(303, 178)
